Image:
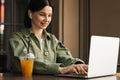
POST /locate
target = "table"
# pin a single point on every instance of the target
(11, 76)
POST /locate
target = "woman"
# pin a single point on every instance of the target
(51, 56)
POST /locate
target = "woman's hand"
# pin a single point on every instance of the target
(76, 68)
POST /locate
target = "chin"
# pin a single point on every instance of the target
(44, 28)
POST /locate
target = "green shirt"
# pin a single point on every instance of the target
(47, 59)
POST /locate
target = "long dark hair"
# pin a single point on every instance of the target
(35, 5)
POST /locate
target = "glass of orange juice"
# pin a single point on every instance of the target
(27, 63)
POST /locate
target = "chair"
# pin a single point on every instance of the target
(3, 63)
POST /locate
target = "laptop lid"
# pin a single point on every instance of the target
(103, 56)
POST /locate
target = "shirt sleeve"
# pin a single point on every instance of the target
(46, 68)
(64, 56)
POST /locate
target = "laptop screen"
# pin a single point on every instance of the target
(103, 56)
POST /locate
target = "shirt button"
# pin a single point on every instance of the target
(46, 53)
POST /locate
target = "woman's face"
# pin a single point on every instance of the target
(41, 19)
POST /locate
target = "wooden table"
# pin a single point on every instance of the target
(11, 76)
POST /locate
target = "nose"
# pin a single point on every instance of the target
(46, 18)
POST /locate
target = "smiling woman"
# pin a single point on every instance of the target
(51, 56)
(40, 19)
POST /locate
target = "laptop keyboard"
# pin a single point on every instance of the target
(78, 74)
(72, 75)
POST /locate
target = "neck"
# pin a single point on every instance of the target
(38, 32)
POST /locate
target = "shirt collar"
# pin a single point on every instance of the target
(28, 33)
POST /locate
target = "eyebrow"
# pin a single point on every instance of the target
(45, 13)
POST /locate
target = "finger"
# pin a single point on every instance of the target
(80, 72)
(78, 68)
(83, 69)
(74, 70)
(86, 67)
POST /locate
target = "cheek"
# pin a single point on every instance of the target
(36, 21)
(37, 18)
(50, 19)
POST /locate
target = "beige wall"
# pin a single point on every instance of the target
(71, 25)
(105, 18)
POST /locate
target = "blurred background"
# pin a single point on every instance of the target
(74, 21)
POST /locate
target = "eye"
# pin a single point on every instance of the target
(42, 14)
(49, 15)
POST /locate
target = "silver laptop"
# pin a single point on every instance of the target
(103, 57)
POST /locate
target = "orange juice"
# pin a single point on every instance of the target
(27, 67)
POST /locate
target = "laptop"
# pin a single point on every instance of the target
(103, 57)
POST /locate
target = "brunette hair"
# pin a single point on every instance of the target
(35, 5)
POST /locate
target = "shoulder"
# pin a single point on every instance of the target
(20, 34)
(15, 35)
(54, 39)
(51, 36)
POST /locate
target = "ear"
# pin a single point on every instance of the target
(30, 14)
